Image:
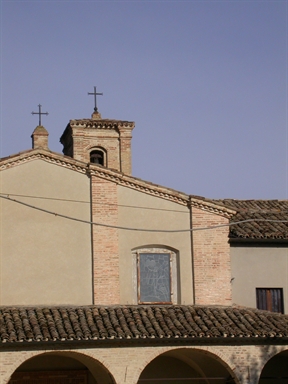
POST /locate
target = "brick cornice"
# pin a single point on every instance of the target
(211, 207)
(102, 124)
(51, 157)
(116, 177)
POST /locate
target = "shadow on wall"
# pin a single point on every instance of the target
(271, 366)
(180, 366)
(61, 367)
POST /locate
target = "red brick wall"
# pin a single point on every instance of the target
(211, 254)
(105, 241)
(117, 145)
(85, 139)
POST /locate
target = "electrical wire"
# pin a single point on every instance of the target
(141, 229)
(88, 202)
(239, 210)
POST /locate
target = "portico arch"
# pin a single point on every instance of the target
(276, 369)
(51, 366)
(178, 366)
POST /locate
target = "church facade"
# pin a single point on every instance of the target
(106, 278)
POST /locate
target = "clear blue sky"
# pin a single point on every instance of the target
(204, 81)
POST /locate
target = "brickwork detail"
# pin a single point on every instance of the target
(40, 138)
(211, 254)
(105, 241)
(114, 136)
(84, 140)
(125, 150)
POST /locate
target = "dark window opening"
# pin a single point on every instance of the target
(97, 157)
(270, 299)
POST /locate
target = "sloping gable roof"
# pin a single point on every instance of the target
(258, 212)
(20, 324)
(115, 177)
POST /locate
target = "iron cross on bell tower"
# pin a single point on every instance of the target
(95, 98)
(39, 113)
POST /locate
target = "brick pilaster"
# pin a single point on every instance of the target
(125, 150)
(211, 256)
(105, 241)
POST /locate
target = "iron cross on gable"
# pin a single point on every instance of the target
(95, 99)
(39, 113)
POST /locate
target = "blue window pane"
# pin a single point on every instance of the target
(154, 276)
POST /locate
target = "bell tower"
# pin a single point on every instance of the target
(100, 141)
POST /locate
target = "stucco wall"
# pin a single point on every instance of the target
(140, 210)
(258, 267)
(45, 259)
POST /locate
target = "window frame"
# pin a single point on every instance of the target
(270, 299)
(173, 274)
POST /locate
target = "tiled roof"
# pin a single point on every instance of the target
(260, 211)
(19, 324)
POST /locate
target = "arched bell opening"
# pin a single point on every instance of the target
(98, 156)
(187, 365)
(61, 367)
(275, 371)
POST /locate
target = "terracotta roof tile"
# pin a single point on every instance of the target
(260, 211)
(19, 324)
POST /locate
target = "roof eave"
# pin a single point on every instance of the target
(148, 341)
(242, 241)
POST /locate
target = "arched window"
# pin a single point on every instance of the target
(156, 275)
(97, 156)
